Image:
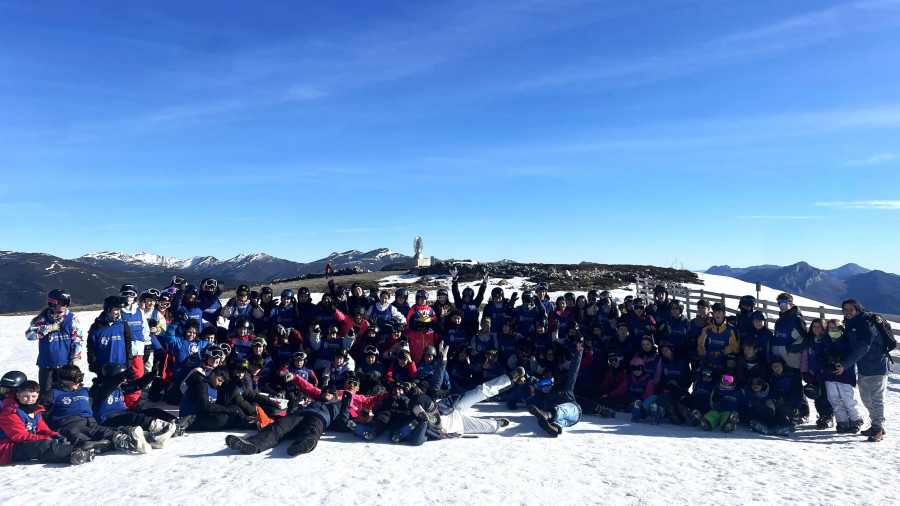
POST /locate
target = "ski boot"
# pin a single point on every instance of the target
(781, 430)
(98, 447)
(302, 446)
(731, 422)
(842, 427)
(516, 374)
(636, 414)
(240, 444)
(159, 432)
(757, 426)
(606, 412)
(181, 424)
(404, 431)
(824, 423)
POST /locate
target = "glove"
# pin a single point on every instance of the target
(637, 404)
(287, 376)
(454, 272)
(130, 374)
(352, 332)
(345, 400)
(356, 329)
(51, 328)
(514, 297)
(420, 412)
(280, 330)
(328, 306)
(326, 378)
(59, 439)
(76, 361)
(235, 411)
(484, 281)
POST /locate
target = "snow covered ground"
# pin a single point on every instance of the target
(597, 460)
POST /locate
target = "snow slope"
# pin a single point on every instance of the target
(597, 460)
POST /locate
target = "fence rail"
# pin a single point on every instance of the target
(644, 288)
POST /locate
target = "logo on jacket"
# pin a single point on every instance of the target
(67, 400)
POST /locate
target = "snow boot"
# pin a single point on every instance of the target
(676, 416)
(697, 416)
(503, 422)
(362, 430)
(757, 426)
(636, 413)
(81, 456)
(141, 445)
(127, 442)
(543, 419)
(656, 414)
(842, 427)
(160, 432)
(403, 432)
(516, 374)
(302, 446)
(731, 422)
(182, 424)
(240, 444)
(606, 412)
(824, 423)
(511, 405)
(876, 433)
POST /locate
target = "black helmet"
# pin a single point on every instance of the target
(59, 296)
(569, 296)
(13, 379)
(373, 328)
(242, 290)
(573, 325)
(128, 290)
(192, 289)
(758, 315)
(165, 297)
(401, 292)
(527, 296)
(638, 301)
(113, 369)
(497, 292)
(468, 291)
(660, 289)
(747, 300)
(240, 364)
(113, 301)
(429, 351)
(359, 310)
(243, 323)
(265, 290)
(303, 291)
(674, 304)
(355, 285)
(443, 293)
(593, 295)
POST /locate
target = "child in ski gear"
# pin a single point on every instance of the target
(554, 406)
(812, 371)
(868, 354)
(725, 403)
(59, 337)
(717, 339)
(839, 388)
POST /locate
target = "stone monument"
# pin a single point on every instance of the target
(417, 259)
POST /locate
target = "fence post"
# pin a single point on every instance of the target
(687, 302)
(822, 312)
(758, 287)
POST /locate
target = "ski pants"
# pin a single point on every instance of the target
(486, 390)
(128, 419)
(843, 401)
(303, 428)
(137, 366)
(717, 419)
(46, 377)
(212, 422)
(43, 450)
(871, 391)
(79, 430)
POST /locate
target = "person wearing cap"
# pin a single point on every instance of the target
(790, 338)
(358, 297)
(717, 339)
(240, 306)
(59, 336)
(401, 368)
(639, 321)
(109, 338)
(140, 335)
(468, 302)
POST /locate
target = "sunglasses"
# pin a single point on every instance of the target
(783, 303)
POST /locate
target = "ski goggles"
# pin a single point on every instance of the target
(128, 293)
(226, 349)
(212, 284)
(241, 364)
(153, 291)
(727, 378)
(78, 378)
(637, 368)
(258, 342)
(371, 350)
(615, 359)
(706, 372)
(177, 280)
(57, 302)
(351, 382)
(298, 355)
(163, 304)
(544, 383)
(638, 307)
(215, 353)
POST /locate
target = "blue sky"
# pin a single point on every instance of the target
(661, 132)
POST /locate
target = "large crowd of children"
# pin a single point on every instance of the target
(376, 362)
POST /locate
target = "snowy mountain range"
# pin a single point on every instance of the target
(254, 267)
(877, 290)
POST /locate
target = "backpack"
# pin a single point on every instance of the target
(885, 331)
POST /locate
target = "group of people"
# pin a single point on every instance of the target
(376, 362)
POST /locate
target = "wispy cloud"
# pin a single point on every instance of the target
(779, 217)
(873, 160)
(878, 205)
(801, 31)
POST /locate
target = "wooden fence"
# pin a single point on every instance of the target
(690, 296)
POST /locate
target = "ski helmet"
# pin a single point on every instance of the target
(401, 292)
(165, 297)
(638, 303)
(660, 289)
(748, 301)
(59, 296)
(113, 369)
(287, 293)
(355, 285)
(302, 291)
(240, 364)
(266, 290)
(497, 292)
(443, 293)
(429, 351)
(13, 379)
(298, 355)
(359, 310)
(527, 297)
(422, 294)
(192, 289)
(69, 372)
(636, 361)
(593, 295)
(468, 292)
(674, 304)
(727, 382)
(242, 290)
(243, 323)
(758, 315)
(113, 301)
(128, 290)
(542, 286)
